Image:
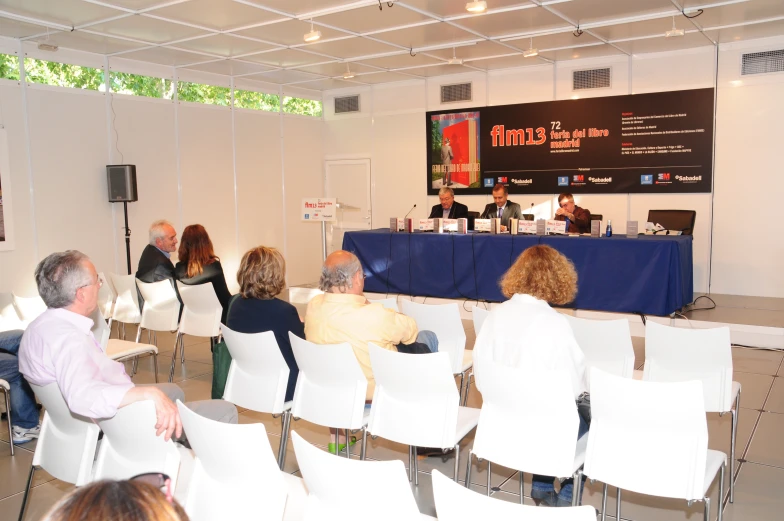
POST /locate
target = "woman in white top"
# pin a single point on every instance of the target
(525, 331)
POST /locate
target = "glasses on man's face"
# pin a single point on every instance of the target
(157, 480)
(564, 205)
(98, 281)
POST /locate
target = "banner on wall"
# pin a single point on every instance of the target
(318, 209)
(641, 143)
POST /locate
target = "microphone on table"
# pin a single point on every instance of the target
(411, 210)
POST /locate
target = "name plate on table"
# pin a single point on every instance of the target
(426, 225)
(495, 225)
(596, 228)
(462, 225)
(526, 227)
(482, 225)
(396, 224)
(555, 227)
(541, 227)
(438, 225)
(513, 226)
(632, 228)
(449, 225)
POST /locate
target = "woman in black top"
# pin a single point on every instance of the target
(199, 265)
(261, 276)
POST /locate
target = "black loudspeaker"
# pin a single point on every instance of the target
(122, 183)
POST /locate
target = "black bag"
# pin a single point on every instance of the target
(221, 362)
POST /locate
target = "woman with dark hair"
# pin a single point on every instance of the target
(262, 276)
(526, 331)
(198, 264)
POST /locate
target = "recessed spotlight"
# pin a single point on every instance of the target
(312, 36)
(476, 7)
(348, 74)
(674, 32)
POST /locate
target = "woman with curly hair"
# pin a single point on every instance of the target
(525, 331)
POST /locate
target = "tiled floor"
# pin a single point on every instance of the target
(759, 447)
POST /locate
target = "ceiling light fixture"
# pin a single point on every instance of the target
(47, 47)
(532, 51)
(312, 36)
(674, 31)
(476, 7)
(454, 60)
(348, 74)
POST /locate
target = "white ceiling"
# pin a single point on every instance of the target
(379, 41)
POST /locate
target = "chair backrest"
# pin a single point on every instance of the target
(66, 445)
(520, 430)
(28, 308)
(201, 313)
(100, 329)
(379, 489)
(126, 305)
(258, 374)
(596, 217)
(389, 303)
(9, 318)
(106, 296)
(415, 401)
(455, 502)
(443, 320)
(606, 344)
(682, 220)
(161, 306)
(479, 315)
(234, 471)
(647, 437)
(331, 386)
(674, 354)
(130, 446)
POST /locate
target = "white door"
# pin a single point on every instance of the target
(348, 181)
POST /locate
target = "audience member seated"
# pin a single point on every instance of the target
(24, 412)
(449, 208)
(262, 276)
(132, 500)
(58, 346)
(578, 220)
(155, 263)
(526, 331)
(198, 264)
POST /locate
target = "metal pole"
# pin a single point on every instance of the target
(323, 240)
(127, 238)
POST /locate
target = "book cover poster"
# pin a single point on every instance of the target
(454, 150)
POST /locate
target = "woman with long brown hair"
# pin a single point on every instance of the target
(198, 264)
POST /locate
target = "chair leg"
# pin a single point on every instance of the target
(416, 467)
(462, 380)
(363, 452)
(457, 461)
(139, 333)
(489, 475)
(26, 493)
(410, 463)
(174, 356)
(135, 368)
(733, 437)
(618, 505)
(182, 349)
(721, 492)
(122, 337)
(348, 444)
(155, 363)
(604, 503)
(468, 388)
(468, 469)
(284, 438)
(522, 500)
(577, 478)
(706, 513)
(8, 414)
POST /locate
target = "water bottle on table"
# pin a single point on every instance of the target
(609, 228)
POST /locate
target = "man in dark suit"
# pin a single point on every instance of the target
(155, 263)
(502, 207)
(448, 209)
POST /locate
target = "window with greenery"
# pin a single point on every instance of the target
(248, 99)
(9, 67)
(63, 74)
(304, 107)
(201, 93)
(137, 85)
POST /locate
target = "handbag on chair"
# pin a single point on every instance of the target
(221, 362)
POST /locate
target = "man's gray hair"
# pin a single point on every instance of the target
(446, 190)
(157, 230)
(340, 275)
(59, 276)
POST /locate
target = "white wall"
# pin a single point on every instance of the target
(390, 131)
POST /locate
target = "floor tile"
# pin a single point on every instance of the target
(720, 431)
(757, 361)
(199, 388)
(14, 471)
(754, 388)
(42, 499)
(775, 401)
(766, 446)
(757, 494)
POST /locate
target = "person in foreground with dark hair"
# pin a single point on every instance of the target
(526, 331)
(132, 500)
(198, 264)
(262, 276)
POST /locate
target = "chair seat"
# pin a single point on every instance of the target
(467, 420)
(713, 464)
(5, 385)
(117, 349)
(298, 493)
(468, 359)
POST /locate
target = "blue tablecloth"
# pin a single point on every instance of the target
(647, 274)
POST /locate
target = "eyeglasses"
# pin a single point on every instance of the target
(157, 480)
(564, 205)
(98, 281)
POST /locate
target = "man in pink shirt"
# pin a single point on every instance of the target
(58, 346)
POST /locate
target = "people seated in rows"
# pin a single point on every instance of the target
(155, 263)
(526, 331)
(262, 276)
(578, 220)
(24, 412)
(501, 207)
(449, 208)
(198, 264)
(58, 346)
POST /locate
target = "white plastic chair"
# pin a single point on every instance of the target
(674, 354)
(126, 305)
(444, 320)
(651, 438)
(6, 388)
(66, 445)
(28, 308)
(416, 403)
(258, 377)
(479, 315)
(389, 303)
(379, 489)
(9, 318)
(131, 447)
(455, 503)
(121, 350)
(234, 472)
(331, 388)
(606, 344)
(520, 430)
(161, 310)
(106, 297)
(201, 316)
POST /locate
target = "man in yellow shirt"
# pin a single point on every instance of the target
(343, 314)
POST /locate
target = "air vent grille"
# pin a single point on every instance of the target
(347, 104)
(591, 79)
(457, 92)
(762, 62)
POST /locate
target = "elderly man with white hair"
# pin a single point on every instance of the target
(155, 263)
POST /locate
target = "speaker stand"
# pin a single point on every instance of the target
(127, 238)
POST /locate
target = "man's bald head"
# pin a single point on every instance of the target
(342, 273)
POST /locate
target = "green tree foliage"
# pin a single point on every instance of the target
(63, 74)
(9, 67)
(248, 99)
(200, 93)
(305, 107)
(137, 85)
(435, 138)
